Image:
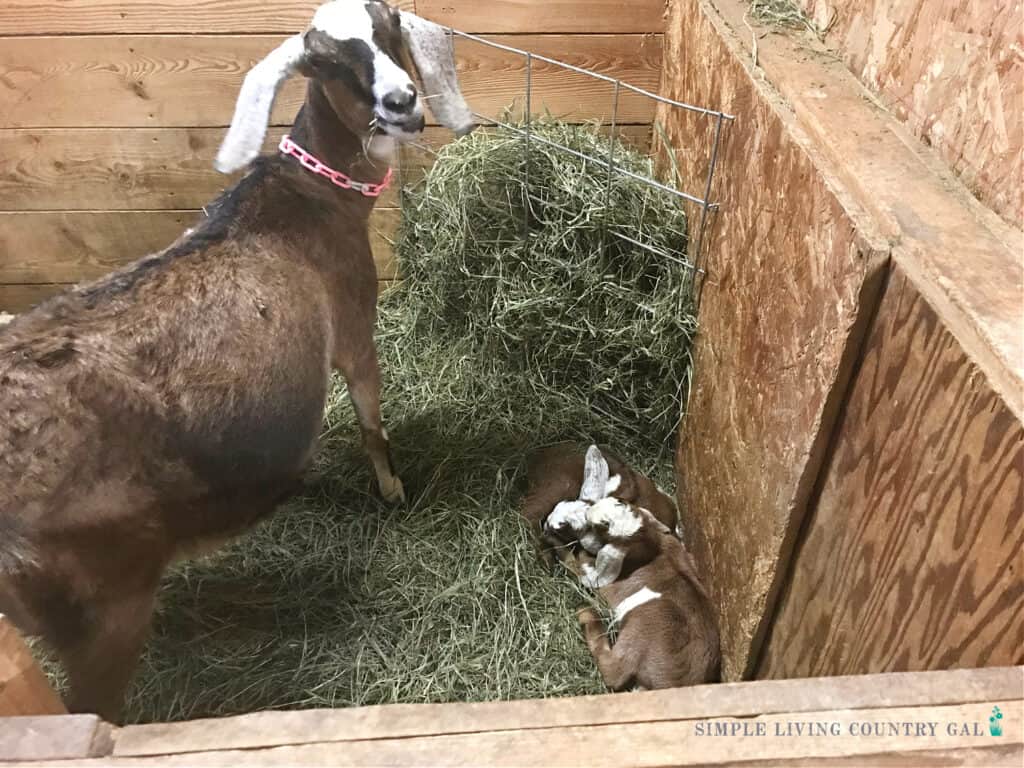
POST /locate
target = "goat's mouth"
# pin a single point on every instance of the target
(402, 130)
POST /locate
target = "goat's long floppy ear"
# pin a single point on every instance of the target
(255, 100)
(595, 475)
(434, 56)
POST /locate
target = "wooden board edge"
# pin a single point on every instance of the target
(735, 700)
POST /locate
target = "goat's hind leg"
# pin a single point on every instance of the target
(362, 374)
(100, 655)
(613, 664)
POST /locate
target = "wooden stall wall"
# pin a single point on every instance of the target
(953, 71)
(912, 558)
(916, 490)
(111, 112)
(792, 272)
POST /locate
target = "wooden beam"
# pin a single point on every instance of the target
(75, 246)
(517, 16)
(92, 17)
(730, 700)
(51, 738)
(24, 689)
(107, 17)
(147, 168)
(668, 742)
(159, 80)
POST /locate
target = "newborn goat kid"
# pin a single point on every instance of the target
(174, 403)
(624, 524)
(563, 483)
(667, 636)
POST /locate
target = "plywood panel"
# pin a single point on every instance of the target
(953, 70)
(36, 17)
(24, 689)
(546, 15)
(55, 17)
(913, 557)
(73, 246)
(793, 270)
(193, 80)
(133, 168)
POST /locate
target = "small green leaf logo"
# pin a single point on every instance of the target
(994, 726)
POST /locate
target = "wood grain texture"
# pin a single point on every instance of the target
(55, 17)
(74, 246)
(734, 700)
(792, 272)
(106, 17)
(953, 71)
(587, 16)
(912, 559)
(143, 168)
(24, 689)
(44, 739)
(187, 81)
(965, 260)
(671, 741)
(16, 297)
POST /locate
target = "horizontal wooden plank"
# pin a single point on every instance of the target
(47, 738)
(545, 15)
(74, 246)
(134, 168)
(669, 742)
(158, 80)
(56, 17)
(269, 729)
(106, 17)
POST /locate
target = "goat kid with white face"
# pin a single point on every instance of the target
(172, 404)
(614, 528)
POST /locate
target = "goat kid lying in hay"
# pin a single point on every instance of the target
(614, 527)
(176, 402)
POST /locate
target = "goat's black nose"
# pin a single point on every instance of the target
(400, 99)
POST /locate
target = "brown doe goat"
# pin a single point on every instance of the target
(174, 403)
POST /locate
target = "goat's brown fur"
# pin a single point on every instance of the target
(554, 474)
(668, 642)
(176, 402)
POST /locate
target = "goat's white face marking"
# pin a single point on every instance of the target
(345, 20)
(638, 598)
(612, 485)
(617, 517)
(571, 513)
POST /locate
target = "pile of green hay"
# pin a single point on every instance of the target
(489, 349)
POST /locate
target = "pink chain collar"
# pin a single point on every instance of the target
(339, 179)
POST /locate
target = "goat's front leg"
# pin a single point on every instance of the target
(362, 374)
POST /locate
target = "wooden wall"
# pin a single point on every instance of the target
(791, 278)
(111, 113)
(912, 559)
(953, 71)
(855, 451)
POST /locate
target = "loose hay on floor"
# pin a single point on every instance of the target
(488, 351)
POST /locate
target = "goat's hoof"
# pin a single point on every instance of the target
(587, 616)
(392, 491)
